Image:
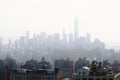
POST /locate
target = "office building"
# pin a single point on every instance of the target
(76, 30)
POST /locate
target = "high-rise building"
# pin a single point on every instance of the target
(82, 42)
(70, 37)
(64, 36)
(27, 35)
(88, 37)
(76, 30)
(49, 40)
(43, 37)
(56, 38)
(88, 40)
(22, 42)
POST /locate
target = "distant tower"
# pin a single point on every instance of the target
(70, 37)
(88, 40)
(64, 36)
(76, 30)
(27, 34)
(56, 38)
(63, 33)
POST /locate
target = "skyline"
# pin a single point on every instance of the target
(63, 30)
(99, 18)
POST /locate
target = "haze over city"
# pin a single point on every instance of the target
(100, 18)
(59, 40)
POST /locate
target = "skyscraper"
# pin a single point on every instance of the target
(70, 37)
(64, 36)
(27, 35)
(56, 38)
(76, 30)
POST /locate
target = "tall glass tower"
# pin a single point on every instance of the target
(76, 30)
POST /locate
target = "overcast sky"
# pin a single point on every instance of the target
(101, 18)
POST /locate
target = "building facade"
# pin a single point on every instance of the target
(66, 66)
(35, 75)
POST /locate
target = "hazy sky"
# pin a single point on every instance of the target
(101, 18)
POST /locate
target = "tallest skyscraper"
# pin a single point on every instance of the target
(76, 30)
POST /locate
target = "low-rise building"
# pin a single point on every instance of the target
(66, 66)
(83, 71)
(87, 77)
(41, 74)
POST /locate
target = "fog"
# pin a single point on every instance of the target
(54, 47)
(35, 29)
(100, 18)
